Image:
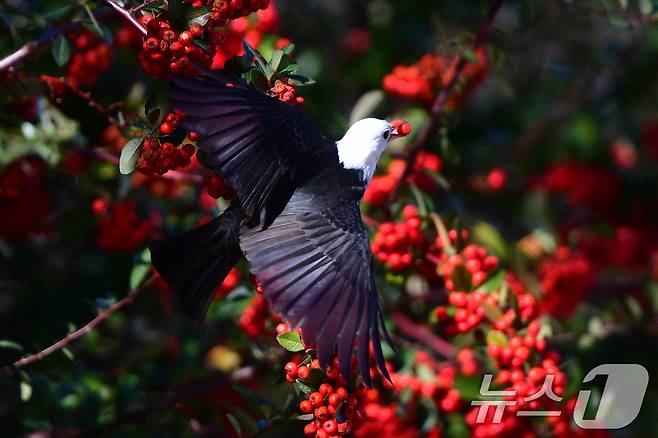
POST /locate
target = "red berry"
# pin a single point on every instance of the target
(310, 429)
(291, 368)
(185, 37)
(196, 30)
(330, 426)
(194, 136)
(166, 128)
(326, 389)
(303, 372)
(316, 399)
(282, 328)
(306, 406)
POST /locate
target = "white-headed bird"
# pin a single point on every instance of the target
(296, 218)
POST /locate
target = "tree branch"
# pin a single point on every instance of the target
(127, 15)
(128, 299)
(422, 334)
(441, 99)
(28, 48)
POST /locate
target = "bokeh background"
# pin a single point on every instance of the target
(543, 154)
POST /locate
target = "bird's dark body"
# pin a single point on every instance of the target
(296, 220)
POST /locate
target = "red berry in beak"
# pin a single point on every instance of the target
(400, 128)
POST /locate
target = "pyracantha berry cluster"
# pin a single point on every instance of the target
(381, 186)
(166, 51)
(336, 410)
(286, 93)
(422, 80)
(225, 10)
(120, 226)
(159, 158)
(229, 283)
(396, 244)
(90, 58)
(254, 317)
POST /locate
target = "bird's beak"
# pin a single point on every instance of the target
(400, 129)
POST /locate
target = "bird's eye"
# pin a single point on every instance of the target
(386, 135)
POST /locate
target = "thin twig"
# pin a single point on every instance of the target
(29, 47)
(128, 299)
(441, 99)
(172, 175)
(422, 334)
(127, 15)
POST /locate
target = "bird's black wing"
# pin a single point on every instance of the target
(315, 267)
(263, 148)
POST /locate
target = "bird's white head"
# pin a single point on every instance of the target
(365, 141)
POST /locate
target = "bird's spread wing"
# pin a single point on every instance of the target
(263, 148)
(315, 267)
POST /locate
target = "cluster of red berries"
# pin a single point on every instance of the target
(286, 93)
(394, 243)
(584, 184)
(166, 51)
(421, 80)
(90, 58)
(336, 411)
(17, 178)
(628, 248)
(385, 420)
(254, 317)
(24, 204)
(566, 277)
(466, 311)
(440, 389)
(380, 187)
(467, 270)
(230, 282)
(226, 10)
(159, 158)
(120, 226)
(216, 187)
(228, 41)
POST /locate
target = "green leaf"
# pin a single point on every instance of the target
(469, 387)
(68, 353)
(494, 282)
(101, 30)
(255, 57)
(138, 274)
(26, 391)
(61, 50)
(234, 422)
(277, 56)
(485, 234)
(304, 387)
(5, 343)
(288, 49)
(299, 80)
(496, 337)
(130, 154)
(291, 341)
(199, 15)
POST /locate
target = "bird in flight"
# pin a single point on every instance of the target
(296, 217)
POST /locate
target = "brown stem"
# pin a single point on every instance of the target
(86, 328)
(441, 99)
(127, 15)
(422, 334)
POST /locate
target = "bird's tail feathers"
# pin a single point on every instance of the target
(195, 263)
